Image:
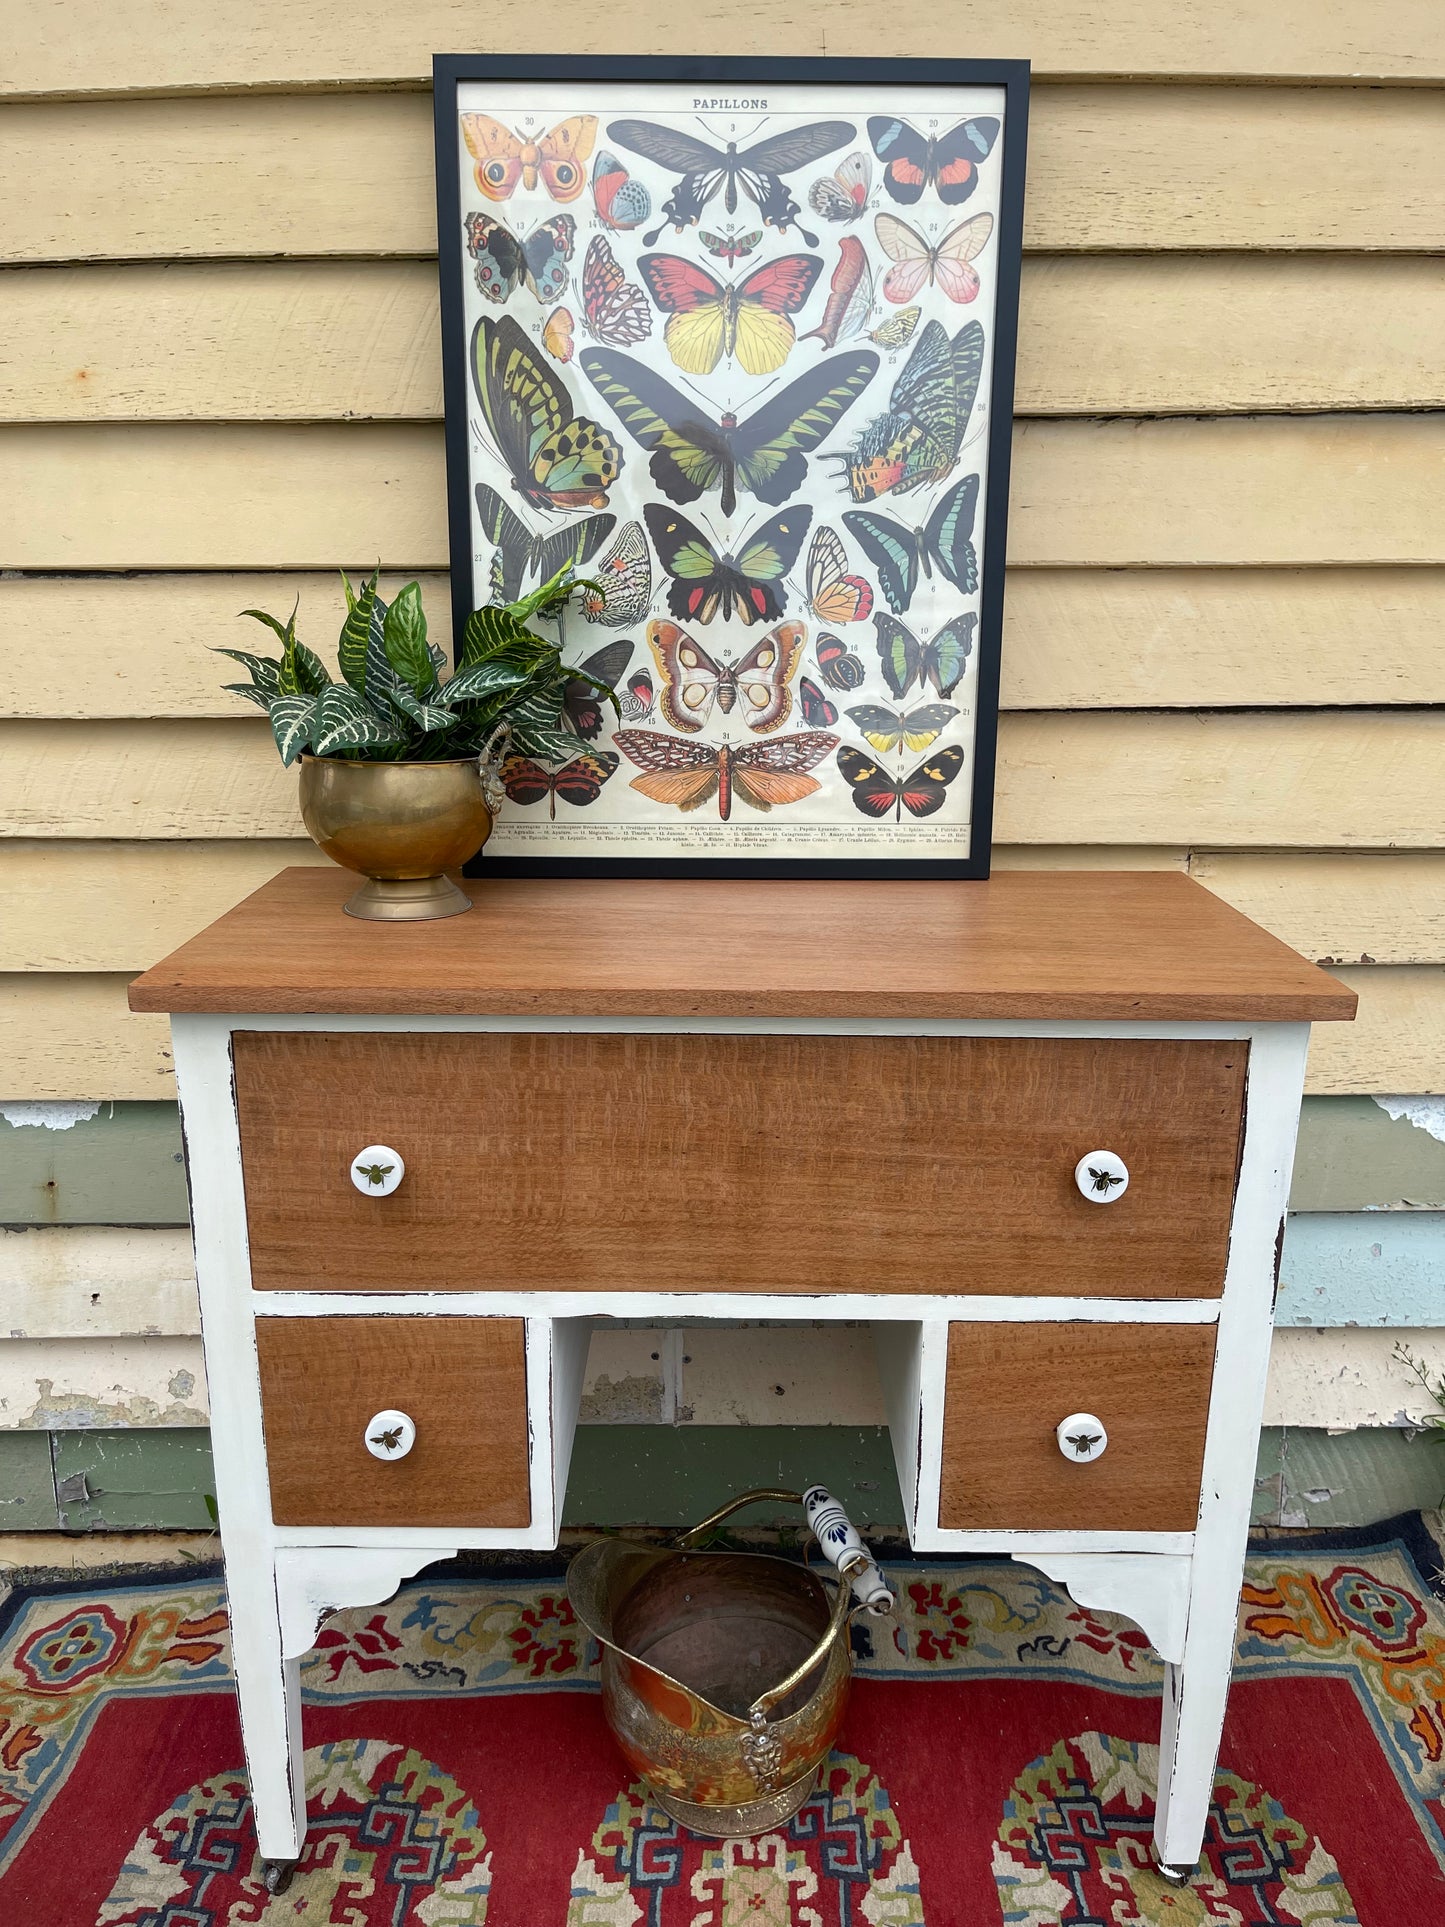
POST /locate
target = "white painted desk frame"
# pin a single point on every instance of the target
(1181, 1588)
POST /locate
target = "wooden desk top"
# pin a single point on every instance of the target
(1095, 945)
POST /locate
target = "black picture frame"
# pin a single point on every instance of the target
(892, 78)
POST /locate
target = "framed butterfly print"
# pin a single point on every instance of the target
(735, 338)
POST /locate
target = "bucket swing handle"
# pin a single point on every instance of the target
(843, 1547)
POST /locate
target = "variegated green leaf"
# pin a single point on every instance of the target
(251, 693)
(346, 720)
(426, 715)
(311, 671)
(292, 718)
(438, 657)
(490, 631)
(263, 670)
(271, 622)
(365, 615)
(404, 635)
(496, 677)
(350, 592)
(549, 745)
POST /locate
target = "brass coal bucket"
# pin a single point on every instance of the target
(725, 1674)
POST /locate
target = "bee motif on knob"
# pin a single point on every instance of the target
(389, 1440)
(1083, 1442)
(1103, 1181)
(376, 1173)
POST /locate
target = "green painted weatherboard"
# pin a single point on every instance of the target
(1353, 1155)
(134, 1481)
(122, 1166)
(27, 1484)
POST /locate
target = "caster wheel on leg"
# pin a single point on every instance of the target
(1176, 1876)
(277, 1875)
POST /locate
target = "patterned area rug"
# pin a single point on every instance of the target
(998, 1765)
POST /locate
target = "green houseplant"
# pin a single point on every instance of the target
(401, 770)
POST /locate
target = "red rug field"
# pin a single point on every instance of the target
(997, 1767)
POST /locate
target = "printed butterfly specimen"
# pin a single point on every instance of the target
(940, 661)
(731, 248)
(707, 582)
(818, 712)
(557, 333)
(917, 439)
(843, 195)
(706, 171)
(948, 162)
(615, 309)
(710, 319)
(899, 553)
(921, 262)
(887, 730)
(637, 701)
(557, 460)
(687, 775)
(693, 680)
(897, 330)
(585, 705)
(503, 262)
(503, 158)
(850, 303)
(877, 793)
(692, 453)
(578, 782)
(520, 554)
(833, 594)
(625, 573)
(837, 664)
(621, 202)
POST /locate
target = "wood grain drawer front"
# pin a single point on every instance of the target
(461, 1381)
(672, 1162)
(1009, 1386)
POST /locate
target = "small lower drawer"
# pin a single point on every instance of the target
(462, 1383)
(1008, 1388)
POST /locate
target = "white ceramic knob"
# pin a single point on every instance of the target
(390, 1435)
(1102, 1176)
(377, 1170)
(1082, 1438)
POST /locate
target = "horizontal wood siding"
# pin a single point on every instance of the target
(351, 175)
(1085, 494)
(1144, 334)
(75, 48)
(1181, 638)
(219, 380)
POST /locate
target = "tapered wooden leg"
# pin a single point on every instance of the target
(1194, 1701)
(269, 1689)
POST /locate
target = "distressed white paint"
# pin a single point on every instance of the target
(1340, 1379)
(623, 1380)
(1152, 1589)
(664, 1306)
(97, 1281)
(897, 1351)
(1425, 1113)
(310, 1583)
(1197, 1688)
(912, 1356)
(49, 1114)
(91, 1384)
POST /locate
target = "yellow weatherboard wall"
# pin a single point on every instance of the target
(1223, 648)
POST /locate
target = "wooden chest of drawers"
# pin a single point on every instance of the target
(1037, 1131)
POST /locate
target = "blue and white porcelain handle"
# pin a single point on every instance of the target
(841, 1543)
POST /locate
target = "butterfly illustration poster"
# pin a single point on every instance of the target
(740, 353)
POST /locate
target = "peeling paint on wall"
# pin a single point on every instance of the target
(1425, 1113)
(49, 1114)
(84, 1412)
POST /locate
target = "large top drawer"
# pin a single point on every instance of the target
(700, 1162)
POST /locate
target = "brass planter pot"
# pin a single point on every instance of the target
(402, 826)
